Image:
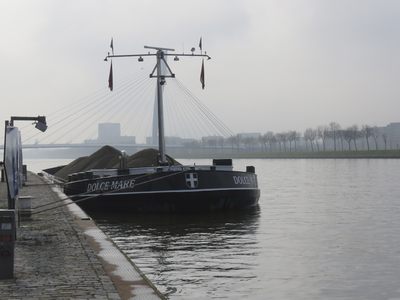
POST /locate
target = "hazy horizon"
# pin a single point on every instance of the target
(276, 65)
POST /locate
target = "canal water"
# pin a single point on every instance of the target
(324, 229)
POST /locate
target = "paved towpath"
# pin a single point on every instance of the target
(58, 256)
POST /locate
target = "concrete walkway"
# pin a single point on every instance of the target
(61, 254)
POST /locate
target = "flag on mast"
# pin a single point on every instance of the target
(110, 78)
(202, 75)
(201, 46)
(112, 46)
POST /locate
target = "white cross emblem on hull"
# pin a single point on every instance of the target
(191, 180)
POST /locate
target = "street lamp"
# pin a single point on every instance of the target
(40, 121)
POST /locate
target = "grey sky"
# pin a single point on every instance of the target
(276, 65)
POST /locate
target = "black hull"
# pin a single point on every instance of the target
(167, 192)
(200, 201)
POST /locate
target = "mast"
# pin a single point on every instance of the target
(160, 83)
(160, 76)
(154, 136)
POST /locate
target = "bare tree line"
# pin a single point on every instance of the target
(315, 139)
(349, 134)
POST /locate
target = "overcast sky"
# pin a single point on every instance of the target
(276, 65)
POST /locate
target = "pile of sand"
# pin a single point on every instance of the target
(108, 157)
(147, 158)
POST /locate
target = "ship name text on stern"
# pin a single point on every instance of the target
(244, 180)
(110, 185)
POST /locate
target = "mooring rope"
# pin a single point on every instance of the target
(105, 193)
(47, 204)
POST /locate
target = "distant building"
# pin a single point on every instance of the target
(207, 139)
(173, 140)
(391, 133)
(110, 133)
(188, 141)
(249, 135)
(170, 141)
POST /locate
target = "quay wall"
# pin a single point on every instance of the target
(60, 253)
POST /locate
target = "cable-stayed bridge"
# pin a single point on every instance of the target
(132, 106)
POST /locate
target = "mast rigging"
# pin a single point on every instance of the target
(157, 73)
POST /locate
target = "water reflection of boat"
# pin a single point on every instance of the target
(128, 225)
(188, 254)
(162, 184)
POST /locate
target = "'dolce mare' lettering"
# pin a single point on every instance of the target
(242, 180)
(108, 185)
(102, 186)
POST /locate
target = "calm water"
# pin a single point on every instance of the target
(324, 229)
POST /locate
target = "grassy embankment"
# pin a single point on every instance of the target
(309, 154)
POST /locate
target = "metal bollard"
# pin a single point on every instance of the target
(25, 206)
(7, 241)
(24, 173)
